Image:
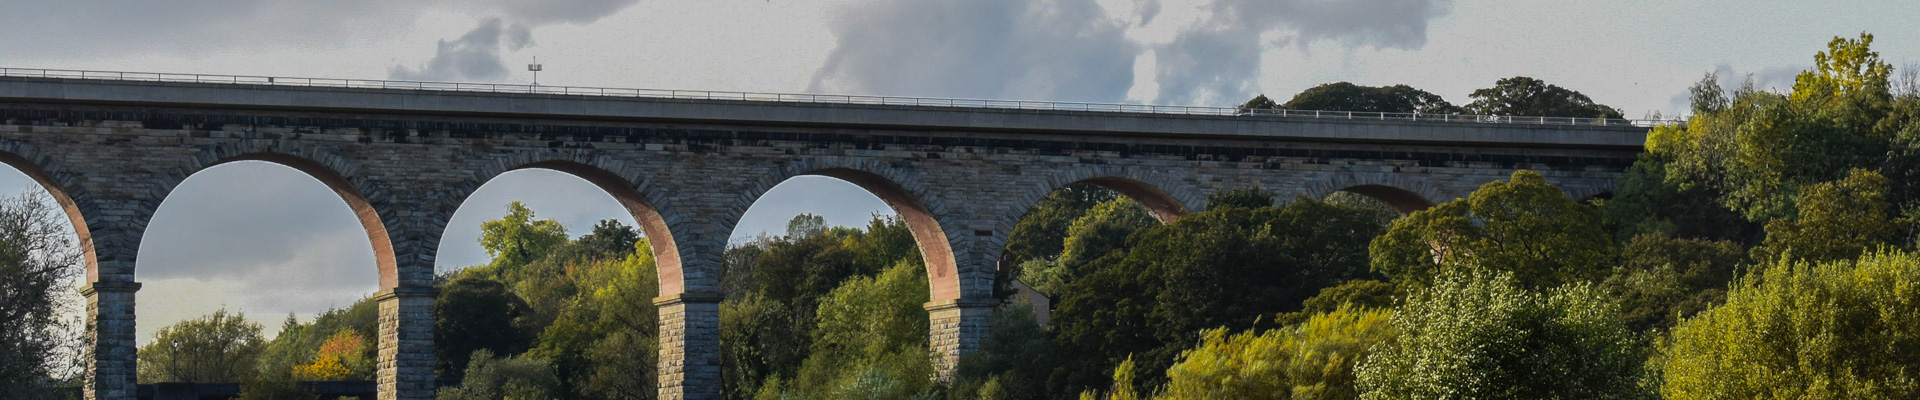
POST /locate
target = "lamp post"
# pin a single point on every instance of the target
(535, 67)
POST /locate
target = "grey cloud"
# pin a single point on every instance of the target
(1055, 50)
(1218, 59)
(256, 220)
(475, 56)
(579, 12)
(100, 28)
(1148, 10)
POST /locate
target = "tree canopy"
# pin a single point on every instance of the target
(1524, 226)
(1529, 97)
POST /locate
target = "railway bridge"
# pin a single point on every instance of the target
(961, 173)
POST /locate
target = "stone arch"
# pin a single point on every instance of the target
(904, 192)
(331, 170)
(630, 191)
(1404, 193)
(1165, 199)
(71, 197)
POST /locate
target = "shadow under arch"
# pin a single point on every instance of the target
(666, 254)
(943, 274)
(350, 192)
(1403, 200)
(1162, 205)
(63, 198)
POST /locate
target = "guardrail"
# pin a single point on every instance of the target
(812, 98)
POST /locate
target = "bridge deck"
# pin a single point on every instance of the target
(790, 113)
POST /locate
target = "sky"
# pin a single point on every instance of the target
(267, 240)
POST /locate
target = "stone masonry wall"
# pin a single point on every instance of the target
(406, 174)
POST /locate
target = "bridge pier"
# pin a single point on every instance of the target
(406, 344)
(689, 346)
(955, 328)
(111, 368)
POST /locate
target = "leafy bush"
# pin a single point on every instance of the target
(1479, 335)
(1834, 330)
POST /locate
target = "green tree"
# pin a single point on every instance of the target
(1260, 102)
(1040, 233)
(1013, 361)
(1663, 280)
(1313, 360)
(871, 340)
(1649, 202)
(298, 343)
(517, 238)
(1250, 197)
(215, 348)
(476, 313)
(1343, 96)
(1097, 232)
(603, 345)
(1524, 226)
(1480, 335)
(1227, 267)
(1359, 294)
(1836, 221)
(489, 378)
(1832, 330)
(1523, 96)
(37, 262)
(610, 239)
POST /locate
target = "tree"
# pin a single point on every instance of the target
(1097, 232)
(517, 239)
(1228, 267)
(1524, 96)
(1831, 330)
(476, 313)
(1480, 335)
(1359, 294)
(1836, 221)
(1343, 96)
(871, 340)
(215, 348)
(1313, 360)
(1039, 234)
(804, 225)
(610, 239)
(1648, 201)
(489, 378)
(1524, 226)
(1260, 102)
(1013, 361)
(1249, 197)
(37, 262)
(1663, 280)
(299, 344)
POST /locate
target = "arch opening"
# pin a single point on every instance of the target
(935, 250)
(253, 235)
(22, 179)
(1163, 206)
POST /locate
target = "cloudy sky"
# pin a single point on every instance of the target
(269, 241)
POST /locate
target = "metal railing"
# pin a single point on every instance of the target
(811, 98)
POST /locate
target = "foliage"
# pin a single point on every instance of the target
(1343, 96)
(1524, 96)
(1039, 234)
(804, 225)
(1384, 213)
(298, 344)
(476, 313)
(1663, 280)
(342, 357)
(517, 238)
(1649, 202)
(1313, 360)
(1260, 102)
(215, 348)
(1013, 361)
(1223, 267)
(489, 378)
(1831, 330)
(1836, 221)
(871, 339)
(1524, 226)
(1480, 335)
(1097, 232)
(1249, 197)
(603, 344)
(768, 324)
(37, 264)
(1360, 294)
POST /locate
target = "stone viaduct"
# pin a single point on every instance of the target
(403, 160)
